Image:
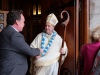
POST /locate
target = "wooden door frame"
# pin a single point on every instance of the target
(84, 22)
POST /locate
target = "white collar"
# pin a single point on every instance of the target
(15, 28)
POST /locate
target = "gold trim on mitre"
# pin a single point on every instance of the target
(51, 18)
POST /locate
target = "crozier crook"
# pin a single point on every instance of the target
(67, 20)
(65, 23)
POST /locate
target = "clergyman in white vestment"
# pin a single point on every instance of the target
(51, 44)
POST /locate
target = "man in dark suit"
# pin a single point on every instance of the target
(13, 48)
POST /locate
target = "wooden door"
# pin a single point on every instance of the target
(72, 39)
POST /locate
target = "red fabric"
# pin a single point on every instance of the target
(96, 65)
(88, 53)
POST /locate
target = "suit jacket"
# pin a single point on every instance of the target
(88, 53)
(13, 52)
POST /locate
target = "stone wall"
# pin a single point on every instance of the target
(94, 13)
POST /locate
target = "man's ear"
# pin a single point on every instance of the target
(17, 22)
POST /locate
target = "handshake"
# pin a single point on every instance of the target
(39, 56)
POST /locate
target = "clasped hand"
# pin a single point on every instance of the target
(41, 51)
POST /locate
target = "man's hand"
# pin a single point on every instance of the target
(37, 57)
(62, 51)
(41, 51)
